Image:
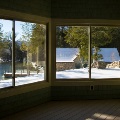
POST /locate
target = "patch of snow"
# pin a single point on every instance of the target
(83, 73)
(110, 54)
(66, 54)
(69, 54)
(22, 80)
(67, 74)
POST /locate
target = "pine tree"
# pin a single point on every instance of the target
(77, 36)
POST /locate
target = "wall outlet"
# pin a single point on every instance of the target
(91, 87)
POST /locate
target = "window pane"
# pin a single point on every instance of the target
(71, 52)
(5, 53)
(30, 52)
(105, 52)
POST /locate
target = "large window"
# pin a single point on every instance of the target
(105, 45)
(87, 52)
(22, 53)
(5, 52)
(71, 52)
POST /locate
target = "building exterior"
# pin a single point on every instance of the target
(66, 58)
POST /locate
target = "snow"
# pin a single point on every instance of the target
(110, 54)
(69, 54)
(83, 73)
(67, 74)
(22, 80)
(66, 54)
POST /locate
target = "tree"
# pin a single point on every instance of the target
(100, 36)
(115, 32)
(33, 42)
(26, 35)
(7, 44)
(33, 36)
(27, 29)
(1, 38)
(38, 37)
(78, 37)
(38, 42)
(7, 47)
(60, 37)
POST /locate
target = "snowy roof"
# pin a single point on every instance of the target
(110, 54)
(69, 54)
(66, 54)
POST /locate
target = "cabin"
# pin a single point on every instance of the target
(66, 58)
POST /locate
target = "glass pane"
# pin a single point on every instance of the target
(105, 52)
(5, 53)
(30, 52)
(71, 52)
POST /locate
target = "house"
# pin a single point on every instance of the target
(67, 58)
(109, 54)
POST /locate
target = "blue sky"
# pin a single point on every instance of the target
(7, 26)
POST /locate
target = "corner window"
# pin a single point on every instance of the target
(5, 52)
(24, 50)
(87, 52)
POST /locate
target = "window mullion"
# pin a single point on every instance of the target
(89, 47)
(13, 53)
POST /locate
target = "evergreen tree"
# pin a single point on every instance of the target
(27, 29)
(34, 39)
(78, 37)
(60, 37)
(1, 38)
(38, 41)
(115, 33)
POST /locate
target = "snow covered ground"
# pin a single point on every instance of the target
(22, 80)
(95, 73)
(67, 74)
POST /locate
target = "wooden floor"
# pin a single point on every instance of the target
(72, 110)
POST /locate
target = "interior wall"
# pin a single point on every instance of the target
(65, 9)
(35, 7)
(85, 92)
(19, 102)
(86, 9)
(18, 98)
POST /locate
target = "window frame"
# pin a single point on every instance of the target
(79, 22)
(42, 20)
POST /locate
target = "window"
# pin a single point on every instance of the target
(72, 52)
(22, 53)
(87, 52)
(105, 52)
(5, 52)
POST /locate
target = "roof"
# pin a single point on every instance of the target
(66, 54)
(69, 54)
(110, 54)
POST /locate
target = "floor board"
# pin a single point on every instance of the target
(71, 110)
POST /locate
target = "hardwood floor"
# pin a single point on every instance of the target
(72, 110)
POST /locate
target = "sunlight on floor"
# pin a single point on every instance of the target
(104, 116)
(101, 116)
